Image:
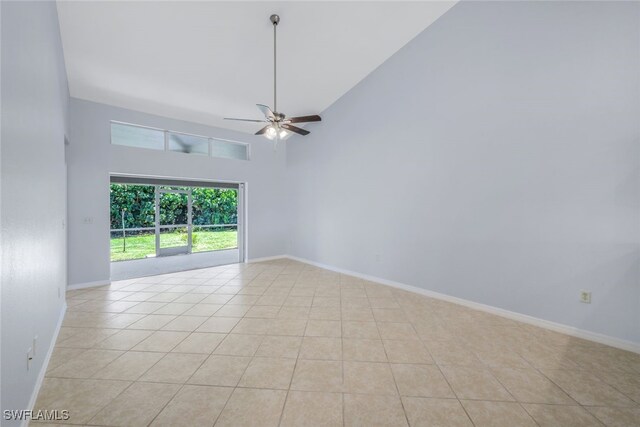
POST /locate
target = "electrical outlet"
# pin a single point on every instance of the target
(35, 345)
(88, 220)
(29, 357)
(585, 296)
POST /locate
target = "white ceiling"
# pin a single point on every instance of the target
(202, 61)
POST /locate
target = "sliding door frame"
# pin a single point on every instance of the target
(241, 222)
(149, 180)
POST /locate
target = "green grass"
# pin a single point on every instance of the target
(141, 246)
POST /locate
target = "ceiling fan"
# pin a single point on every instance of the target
(280, 126)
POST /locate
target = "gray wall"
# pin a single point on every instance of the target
(34, 116)
(92, 158)
(495, 158)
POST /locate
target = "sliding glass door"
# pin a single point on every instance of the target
(150, 220)
(133, 221)
(215, 219)
(173, 221)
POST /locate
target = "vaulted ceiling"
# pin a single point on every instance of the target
(202, 61)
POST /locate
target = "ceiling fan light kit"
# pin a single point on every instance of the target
(280, 126)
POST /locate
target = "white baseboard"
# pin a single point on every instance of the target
(557, 327)
(266, 258)
(45, 363)
(88, 284)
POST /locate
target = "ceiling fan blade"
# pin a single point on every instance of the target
(305, 119)
(266, 111)
(245, 120)
(295, 129)
(263, 130)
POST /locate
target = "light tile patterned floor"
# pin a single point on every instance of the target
(284, 343)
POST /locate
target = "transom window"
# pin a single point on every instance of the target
(138, 136)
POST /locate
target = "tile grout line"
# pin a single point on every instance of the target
(511, 394)
(395, 382)
(448, 383)
(295, 365)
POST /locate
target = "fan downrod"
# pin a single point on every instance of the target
(278, 125)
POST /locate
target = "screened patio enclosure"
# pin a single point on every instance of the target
(158, 218)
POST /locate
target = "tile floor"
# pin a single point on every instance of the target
(284, 343)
